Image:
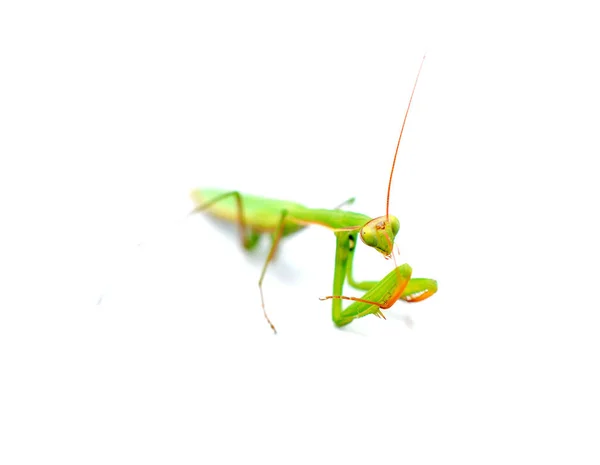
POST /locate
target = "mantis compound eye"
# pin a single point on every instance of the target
(368, 236)
(395, 224)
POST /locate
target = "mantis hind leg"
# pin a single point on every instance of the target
(248, 236)
(276, 239)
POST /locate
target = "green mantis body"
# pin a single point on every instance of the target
(278, 218)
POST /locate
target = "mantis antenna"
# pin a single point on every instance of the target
(387, 204)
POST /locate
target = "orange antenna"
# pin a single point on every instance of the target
(387, 203)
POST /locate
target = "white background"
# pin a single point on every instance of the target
(111, 112)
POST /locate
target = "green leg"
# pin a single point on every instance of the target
(416, 290)
(361, 285)
(342, 254)
(419, 289)
(345, 203)
(248, 236)
(276, 239)
(380, 294)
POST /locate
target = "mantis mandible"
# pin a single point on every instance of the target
(279, 218)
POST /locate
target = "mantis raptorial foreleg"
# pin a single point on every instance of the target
(419, 289)
(373, 300)
(380, 294)
(361, 285)
(416, 290)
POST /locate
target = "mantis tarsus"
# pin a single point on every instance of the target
(280, 218)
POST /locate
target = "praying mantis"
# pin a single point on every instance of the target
(279, 218)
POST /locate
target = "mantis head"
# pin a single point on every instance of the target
(380, 233)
